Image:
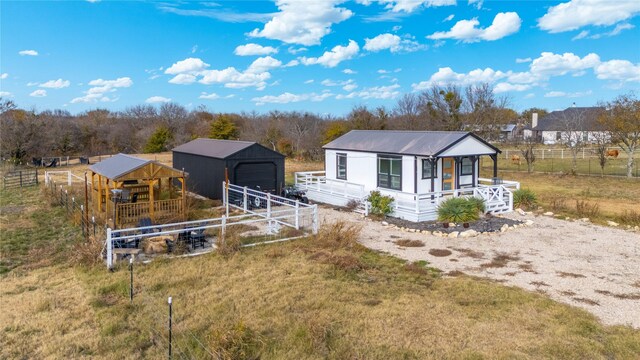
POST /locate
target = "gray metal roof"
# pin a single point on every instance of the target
(219, 149)
(118, 165)
(425, 143)
(573, 118)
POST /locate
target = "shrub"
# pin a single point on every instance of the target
(630, 217)
(228, 244)
(478, 203)
(524, 198)
(338, 235)
(558, 204)
(585, 209)
(380, 205)
(457, 210)
(352, 204)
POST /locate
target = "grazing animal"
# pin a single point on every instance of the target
(613, 153)
(516, 159)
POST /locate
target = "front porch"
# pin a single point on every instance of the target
(498, 195)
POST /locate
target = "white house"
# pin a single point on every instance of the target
(418, 168)
(574, 124)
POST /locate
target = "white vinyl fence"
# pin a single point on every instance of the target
(270, 218)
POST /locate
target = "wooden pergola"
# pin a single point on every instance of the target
(126, 189)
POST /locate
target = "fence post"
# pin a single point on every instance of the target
(68, 178)
(20, 172)
(315, 220)
(82, 224)
(224, 227)
(169, 301)
(297, 215)
(109, 249)
(93, 220)
(244, 199)
(131, 279)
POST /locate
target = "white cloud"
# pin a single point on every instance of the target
(504, 24)
(446, 76)
(550, 64)
(505, 87)
(39, 93)
(310, 81)
(194, 48)
(530, 96)
(408, 6)
(212, 96)
(183, 79)
(56, 84)
(376, 92)
(190, 70)
(295, 51)
(448, 18)
(93, 1)
(4, 76)
(254, 49)
(349, 71)
(568, 95)
(292, 63)
(263, 64)
(478, 3)
(234, 79)
(288, 97)
(28, 53)
(157, 99)
(337, 55)
(303, 22)
(101, 88)
(189, 65)
(5, 94)
(575, 14)
(585, 34)
(525, 60)
(349, 87)
(391, 42)
(621, 70)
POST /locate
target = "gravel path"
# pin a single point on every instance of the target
(593, 267)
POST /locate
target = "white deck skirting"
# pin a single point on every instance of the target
(413, 207)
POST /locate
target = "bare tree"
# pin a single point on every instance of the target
(602, 141)
(573, 133)
(527, 149)
(622, 119)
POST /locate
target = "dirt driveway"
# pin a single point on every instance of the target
(593, 267)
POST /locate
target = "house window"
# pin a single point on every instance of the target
(558, 135)
(466, 166)
(342, 166)
(429, 169)
(390, 172)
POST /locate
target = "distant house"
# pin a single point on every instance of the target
(574, 123)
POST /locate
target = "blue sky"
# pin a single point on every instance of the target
(319, 56)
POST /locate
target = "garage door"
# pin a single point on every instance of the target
(256, 174)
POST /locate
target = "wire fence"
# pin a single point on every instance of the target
(561, 161)
(20, 178)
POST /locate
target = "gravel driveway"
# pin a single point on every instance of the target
(593, 267)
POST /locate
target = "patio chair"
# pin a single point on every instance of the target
(146, 222)
(197, 237)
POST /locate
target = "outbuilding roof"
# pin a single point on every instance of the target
(422, 143)
(219, 149)
(121, 164)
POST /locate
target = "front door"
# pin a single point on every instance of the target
(448, 172)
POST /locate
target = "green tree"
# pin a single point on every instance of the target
(621, 118)
(159, 141)
(334, 130)
(223, 128)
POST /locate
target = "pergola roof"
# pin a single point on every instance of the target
(126, 167)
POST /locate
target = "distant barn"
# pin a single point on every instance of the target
(248, 164)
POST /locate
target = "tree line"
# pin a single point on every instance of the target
(145, 128)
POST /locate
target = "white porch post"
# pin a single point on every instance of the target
(109, 250)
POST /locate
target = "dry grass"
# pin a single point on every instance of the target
(563, 274)
(274, 302)
(500, 260)
(632, 296)
(439, 252)
(409, 243)
(614, 196)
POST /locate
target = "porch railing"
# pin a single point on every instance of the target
(498, 197)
